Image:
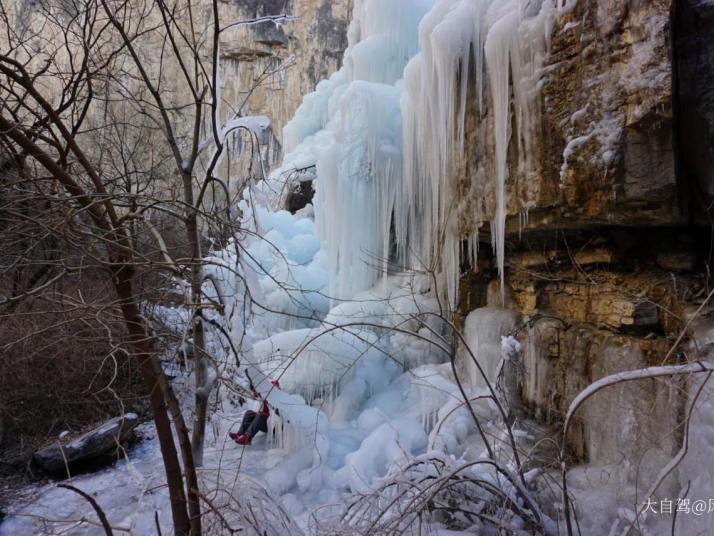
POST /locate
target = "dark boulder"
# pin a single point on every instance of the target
(91, 450)
(299, 195)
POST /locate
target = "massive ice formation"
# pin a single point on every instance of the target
(380, 139)
(385, 131)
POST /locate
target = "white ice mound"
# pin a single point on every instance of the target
(315, 362)
(394, 440)
(483, 332)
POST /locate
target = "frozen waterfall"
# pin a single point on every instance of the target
(347, 314)
(365, 360)
(385, 132)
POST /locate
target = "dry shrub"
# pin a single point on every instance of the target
(62, 367)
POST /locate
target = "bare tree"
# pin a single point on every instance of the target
(103, 149)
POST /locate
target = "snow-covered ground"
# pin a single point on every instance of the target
(130, 492)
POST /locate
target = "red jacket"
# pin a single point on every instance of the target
(264, 409)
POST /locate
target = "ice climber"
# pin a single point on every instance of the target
(253, 422)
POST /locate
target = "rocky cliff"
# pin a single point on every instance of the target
(270, 67)
(608, 228)
(604, 145)
(266, 67)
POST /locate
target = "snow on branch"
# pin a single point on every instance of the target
(696, 367)
(254, 123)
(277, 19)
(630, 375)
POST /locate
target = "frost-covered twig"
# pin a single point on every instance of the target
(607, 381)
(434, 485)
(674, 462)
(216, 511)
(630, 375)
(245, 504)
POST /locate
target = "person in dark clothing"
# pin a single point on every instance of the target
(253, 422)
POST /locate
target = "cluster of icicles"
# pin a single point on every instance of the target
(385, 131)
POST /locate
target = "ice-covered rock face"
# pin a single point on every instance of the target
(601, 128)
(498, 48)
(385, 133)
(447, 115)
(558, 109)
(379, 138)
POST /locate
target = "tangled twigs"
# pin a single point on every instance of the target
(439, 488)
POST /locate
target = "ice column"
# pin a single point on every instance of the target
(384, 132)
(500, 45)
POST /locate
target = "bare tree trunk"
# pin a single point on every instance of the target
(140, 343)
(194, 504)
(202, 389)
(162, 394)
(122, 272)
